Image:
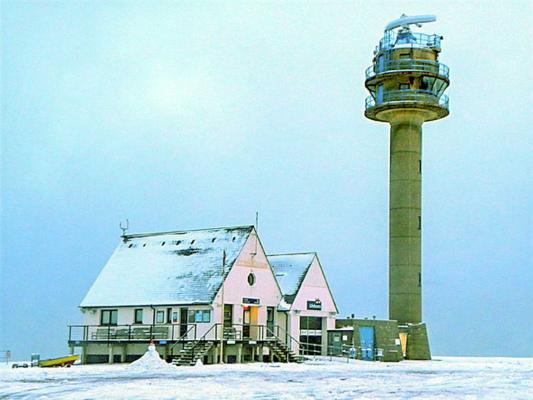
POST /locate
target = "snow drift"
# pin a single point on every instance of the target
(151, 360)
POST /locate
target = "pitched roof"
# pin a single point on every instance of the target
(167, 268)
(290, 271)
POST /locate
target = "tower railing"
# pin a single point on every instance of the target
(433, 67)
(393, 39)
(408, 95)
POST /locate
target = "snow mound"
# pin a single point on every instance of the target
(151, 360)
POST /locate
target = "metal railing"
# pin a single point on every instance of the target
(140, 332)
(432, 67)
(184, 338)
(422, 96)
(394, 39)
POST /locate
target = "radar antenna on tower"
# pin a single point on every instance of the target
(404, 21)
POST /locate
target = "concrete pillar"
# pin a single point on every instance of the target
(124, 353)
(239, 353)
(110, 354)
(405, 279)
(83, 356)
(260, 353)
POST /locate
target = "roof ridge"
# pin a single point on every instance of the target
(139, 235)
(292, 254)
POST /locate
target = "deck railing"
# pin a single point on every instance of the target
(433, 67)
(393, 39)
(135, 332)
(422, 96)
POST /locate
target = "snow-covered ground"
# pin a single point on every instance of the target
(443, 378)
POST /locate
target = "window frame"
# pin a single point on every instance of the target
(251, 279)
(162, 314)
(199, 316)
(109, 312)
(135, 319)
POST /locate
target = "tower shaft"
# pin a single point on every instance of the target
(406, 82)
(405, 303)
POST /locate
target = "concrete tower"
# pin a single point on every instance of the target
(406, 82)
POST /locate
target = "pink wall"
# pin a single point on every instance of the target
(313, 286)
(236, 285)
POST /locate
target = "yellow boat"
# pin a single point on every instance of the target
(66, 361)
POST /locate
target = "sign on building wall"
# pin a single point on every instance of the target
(314, 304)
(248, 300)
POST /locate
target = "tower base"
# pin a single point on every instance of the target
(417, 342)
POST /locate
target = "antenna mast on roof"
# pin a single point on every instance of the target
(124, 228)
(256, 234)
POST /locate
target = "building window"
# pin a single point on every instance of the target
(419, 279)
(108, 317)
(199, 316)
(175, 317)
(419, 222)
(405, 56)
(138, 316)
(169, 315)
(251, 279)
(404, 86)
(419, 166)
(160, 317)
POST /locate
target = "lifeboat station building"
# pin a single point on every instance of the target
(202, 295)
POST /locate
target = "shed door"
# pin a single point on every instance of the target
(366, 338)
(335, 344)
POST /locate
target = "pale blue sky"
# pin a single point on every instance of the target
(185, 115)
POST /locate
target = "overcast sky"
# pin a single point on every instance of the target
(182, 115)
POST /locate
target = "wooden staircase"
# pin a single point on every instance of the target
(279, 350)
(192, 352)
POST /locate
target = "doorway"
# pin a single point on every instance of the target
(183, 320)
(249, 322)
(270, 322)
(379, 96)
(366, 339)
(311, 335)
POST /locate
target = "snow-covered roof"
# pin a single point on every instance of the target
(167, 268)
(290, 270)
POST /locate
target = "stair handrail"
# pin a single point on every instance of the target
(182, 338)
(203, 338)
(288, 337)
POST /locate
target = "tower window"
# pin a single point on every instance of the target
(405, 56)
(404, 86)
(419, 222)
(419, 166)
(419, 279)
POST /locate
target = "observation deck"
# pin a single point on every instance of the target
(406, 38)
(406, 76)
(409, 66)
(435, 107)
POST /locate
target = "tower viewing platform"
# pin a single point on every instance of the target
(406, 75)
